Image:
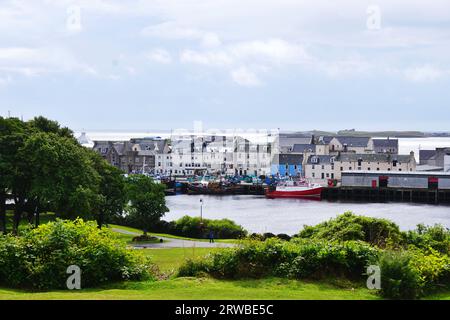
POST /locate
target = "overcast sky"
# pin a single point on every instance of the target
(294, 65)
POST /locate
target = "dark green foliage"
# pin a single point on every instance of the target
(436, 237)
(300, 259)
(399, 280)
(39, 257)
(45, 169)
(147, 202)
(193, 227)
(352, 227)
(284, 236)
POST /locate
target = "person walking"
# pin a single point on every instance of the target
(211, 236)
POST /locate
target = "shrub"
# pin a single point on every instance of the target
(399, 279)
(352, 227)
(436, 237)
(193, 227)
(284, 237)
(144, 238)
(193, 268)
(299, 259)
(39, 257)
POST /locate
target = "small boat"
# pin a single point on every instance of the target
(295, 189)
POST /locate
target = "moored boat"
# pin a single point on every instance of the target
(295, 189)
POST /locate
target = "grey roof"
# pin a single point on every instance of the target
(119, 146)
(291, 159)
(289, 139)
(427, 167)
(426, 154)
(326, 139)
(385, 143)
(150, 144)
(300, 148)
(294, 135)
(353, 141)
(320, 159)
(373, 157)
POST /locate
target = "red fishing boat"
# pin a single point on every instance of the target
(295, 189)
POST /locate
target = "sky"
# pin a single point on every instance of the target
(163, 64)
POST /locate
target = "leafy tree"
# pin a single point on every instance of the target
(112, 197)
(13, 179)
(147, 203)
(63, 178)
(45, 125)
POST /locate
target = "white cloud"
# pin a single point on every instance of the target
(159, 56)
(426, 73)
(35, 61)
(274, 51)
(208, 58)
(173, 31)
(245, 77)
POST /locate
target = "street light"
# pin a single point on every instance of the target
(201, 213)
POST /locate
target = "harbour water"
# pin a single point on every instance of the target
(258, 214)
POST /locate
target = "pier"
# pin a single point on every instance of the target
(386, 195)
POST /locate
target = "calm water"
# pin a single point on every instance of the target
(258, 214)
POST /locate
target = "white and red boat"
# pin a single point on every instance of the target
(295, 189)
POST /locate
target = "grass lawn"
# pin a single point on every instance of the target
(204, 289)
(169, 260)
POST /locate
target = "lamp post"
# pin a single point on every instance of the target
(201, 210)
(201, 214)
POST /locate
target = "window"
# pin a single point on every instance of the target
(313, 175)
(323, 175)
(368, 169)
(313, 167)
(342, 168)
(328, 175)
(323, 167)
(332, 176)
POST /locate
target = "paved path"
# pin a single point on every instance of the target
(173, 243)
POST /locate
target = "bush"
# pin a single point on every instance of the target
(436, 237)
(40, 257)
(299, 259)
(399, 279)
(193, 227)
(352, 227)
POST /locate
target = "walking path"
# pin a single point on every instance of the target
(173, 243)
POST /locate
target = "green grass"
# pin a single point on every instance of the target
(138, 231)
(169, 260)
(204, 289)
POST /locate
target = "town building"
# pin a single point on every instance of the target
(385, 146)
(351, 144)
(439, 159)
(321, 168)
(284, 164)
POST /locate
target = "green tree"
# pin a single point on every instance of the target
(43, 124)
(63, 178)
(112, 197)
(147, 202)
(13, 179)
